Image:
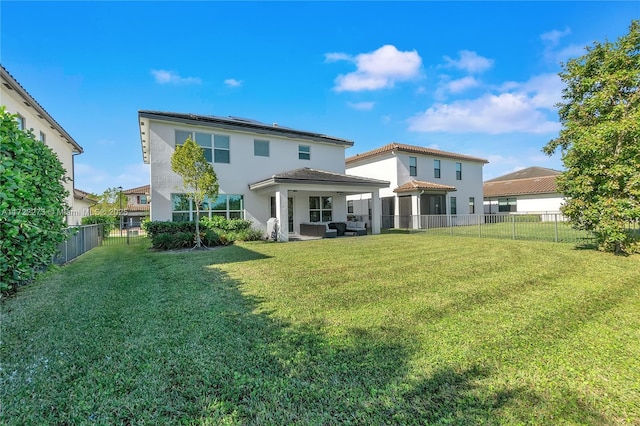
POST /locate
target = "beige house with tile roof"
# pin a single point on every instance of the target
(530, 190)
(138, 205)
(424, 182)
(32, 116)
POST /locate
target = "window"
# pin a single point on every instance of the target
(43, 137)
(472, 205)
(221, 151)
(413, 166)
(304, 152)
(230, 206)
(458, 171)
(218, 152)
(453, 208)
(22, 122)
(506, 205)
(142, 199)
(436, 169)
(260, 148)
(350, 206)
(320, 209)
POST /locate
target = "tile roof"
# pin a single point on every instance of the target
(307, 175)
(138, 207)
(533, 180)
(12, 84)
(418, 185)
(411, 149)
(529, 172)
(145, 189)
(79, 194)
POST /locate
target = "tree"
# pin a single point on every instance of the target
(600, 141)
(198, 177)
(109, 202)
(32, 204)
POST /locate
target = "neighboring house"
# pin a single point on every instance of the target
(528, 190)
(138, 202)
(424, 182)
(82, 203)
(263, 171)
(32, 116)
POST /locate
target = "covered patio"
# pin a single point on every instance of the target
(308, 195)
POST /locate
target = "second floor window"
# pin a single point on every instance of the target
(413, 166)
(436, 169)
(458, 171)
(304, 152)
(43, 137)
(216, 147)
(260, 148)
(142, 199)
(22, 122)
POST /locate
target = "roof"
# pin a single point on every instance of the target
(138, 207)
(12, 84)
(533, 180)
(79, 194)
(529, 172)
(307, 175)
(230, 123)
(418, 185)
(411, 149)
(145, 189)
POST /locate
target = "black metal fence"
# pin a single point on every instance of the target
(80, 239)
(526, 226)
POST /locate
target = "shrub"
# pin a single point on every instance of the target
(107, 222)
(225, 224)
(32, 204)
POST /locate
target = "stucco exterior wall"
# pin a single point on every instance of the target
(395, 168)
(14, 104)
(243, 169)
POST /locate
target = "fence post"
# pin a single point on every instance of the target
(480, 217)
(513, 222)
(556, 226)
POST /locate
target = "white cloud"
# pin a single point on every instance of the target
(336, 56)
(171, 77)
(553, 37)
(470, 62)
(362, 106)
(379, 69)
(492, 114)
(232, 82)
(519, 107)
(461, 84)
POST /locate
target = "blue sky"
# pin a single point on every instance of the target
(478, 78)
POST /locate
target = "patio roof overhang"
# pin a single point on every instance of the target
(418, 185)
(315, 180)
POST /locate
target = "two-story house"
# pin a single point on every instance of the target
(138, 202)
(424, 183)
(263, 170)
(32, 116)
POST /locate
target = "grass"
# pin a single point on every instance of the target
(389, 329)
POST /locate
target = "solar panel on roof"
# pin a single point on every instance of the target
(245, 120)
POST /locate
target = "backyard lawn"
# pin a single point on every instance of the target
(387, 329)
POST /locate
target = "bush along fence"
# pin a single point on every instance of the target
(531, 226)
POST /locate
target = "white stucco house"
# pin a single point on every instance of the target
(530, 190)
(31, 115)
(264, 171)
(424, 182)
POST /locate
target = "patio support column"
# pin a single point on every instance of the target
(376, 212)
(282, 213)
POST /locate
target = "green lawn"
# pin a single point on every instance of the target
(389, 329)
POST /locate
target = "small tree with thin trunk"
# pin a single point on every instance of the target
(198, 177)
